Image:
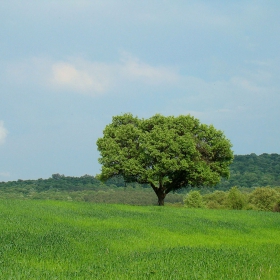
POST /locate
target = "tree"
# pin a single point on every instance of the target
(57, 176)
(168, 153)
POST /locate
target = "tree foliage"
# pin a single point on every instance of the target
(168, 153)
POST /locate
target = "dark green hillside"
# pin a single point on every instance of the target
(254, 171)
(68, 183)
(84, 188)
(57, 181)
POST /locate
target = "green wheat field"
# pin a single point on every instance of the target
(77, 240)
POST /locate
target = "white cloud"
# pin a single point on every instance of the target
(3, 132)
(70, 76)
(89, 77)
(95, 77)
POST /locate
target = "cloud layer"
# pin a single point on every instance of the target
(247, 88)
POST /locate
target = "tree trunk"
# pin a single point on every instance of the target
(161, 196)
(160, 192)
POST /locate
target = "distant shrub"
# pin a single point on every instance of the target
(250, 206)
(276, 207)
(215, 200)
(193, 200)
(264, 198)
(235, 199)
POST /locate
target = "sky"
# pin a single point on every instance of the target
(67, 67)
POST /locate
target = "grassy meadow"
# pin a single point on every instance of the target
(45, 239)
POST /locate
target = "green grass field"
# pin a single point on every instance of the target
(75, 240)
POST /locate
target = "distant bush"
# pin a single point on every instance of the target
(235, 199)
(193, 200)
(264, 198)
(215, 200)
(276, 207)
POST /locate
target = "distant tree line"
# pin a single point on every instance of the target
(253, 171)
(85, 188)
(248, 172)
(68, 183)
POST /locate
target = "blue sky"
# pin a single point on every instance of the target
(67, 67)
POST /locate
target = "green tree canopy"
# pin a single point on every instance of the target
(168, 153)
